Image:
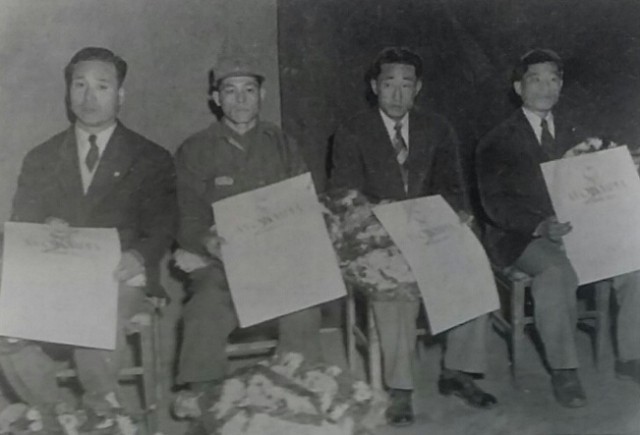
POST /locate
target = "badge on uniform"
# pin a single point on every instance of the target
(224, 181)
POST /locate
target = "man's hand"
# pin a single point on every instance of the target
(213, 243)
(129, 266)
(465, 218)
(58, 228)
(188, 261)
(552, 229)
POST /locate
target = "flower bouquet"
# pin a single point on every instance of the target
(368, 258)
(285, 395)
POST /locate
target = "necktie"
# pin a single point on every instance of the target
(402, 152)
(93, 154)
(546, 140)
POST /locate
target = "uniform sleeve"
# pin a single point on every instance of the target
(195, 213)
(295, 160)
(158, 210)
(347, 169)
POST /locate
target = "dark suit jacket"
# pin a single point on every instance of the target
(133, 190)
(512, 189)
(364, 159)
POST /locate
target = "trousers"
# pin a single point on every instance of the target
(465, 348)
(31, 372)
(553, 288)
(209, 317)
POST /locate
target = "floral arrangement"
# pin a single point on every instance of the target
(19, 419)
(368, 257)
(594, 144)
(590, 145)
(285, 395)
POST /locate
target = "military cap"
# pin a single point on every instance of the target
(237, 66)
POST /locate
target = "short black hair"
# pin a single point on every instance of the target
(96, 53)
(535, 56)
(401, 55)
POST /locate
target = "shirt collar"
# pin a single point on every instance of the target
(102, 138)
(390, 125)
(535, 120)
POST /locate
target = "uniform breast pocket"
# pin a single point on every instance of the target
(221, 187)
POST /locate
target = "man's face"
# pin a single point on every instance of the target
(240, 99)
(396, 88)
(540, 87)
(94, 94)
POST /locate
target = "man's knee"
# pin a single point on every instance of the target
(560, 275)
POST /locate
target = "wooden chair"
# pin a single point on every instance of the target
(144, 327)
(260, 346)
(512, 319)
(362, 331)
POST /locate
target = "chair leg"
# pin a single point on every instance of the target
(602, 294)
(375, 354)
(350, 325)
(517, 327)
(149, 376)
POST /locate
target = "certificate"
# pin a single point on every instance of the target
(447, 260)
(59, 290)
(599, 193)
(277, 253)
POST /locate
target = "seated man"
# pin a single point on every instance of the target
(97, 173)
(238, 154)
(523, 231)
(396, 152)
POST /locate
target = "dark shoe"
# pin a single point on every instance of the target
(568, 389)
(463, 386)
(628, 370)
(400, 413)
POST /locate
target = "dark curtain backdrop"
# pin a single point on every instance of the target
(468, 46)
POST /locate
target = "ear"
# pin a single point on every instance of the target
(374, 86)
(263, 93)
(517, 87)
(418, 86)
(121, 96)
(216, 97)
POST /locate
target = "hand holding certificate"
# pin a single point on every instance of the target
(277, 253)
(60, 289)
(448, 262)
(599, 194)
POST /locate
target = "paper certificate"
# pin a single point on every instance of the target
(277, 253)
(599, 193)
(59, 290)
(450, 266)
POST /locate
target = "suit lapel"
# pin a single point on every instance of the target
(385, 154)
(528, 137)
(116, 160)
(421, 138)
(566, 136)
(68, 171)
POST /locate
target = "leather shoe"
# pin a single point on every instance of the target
(400, 413)
(628, 370)
(568, 389)
(463, 386)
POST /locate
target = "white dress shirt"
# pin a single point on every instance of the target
(390, 125)
(535, 120)
(82, 140)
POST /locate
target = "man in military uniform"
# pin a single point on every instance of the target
(238, 154)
